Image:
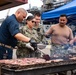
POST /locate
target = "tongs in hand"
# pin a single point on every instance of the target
(44, 56)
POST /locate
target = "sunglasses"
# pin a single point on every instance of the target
(33, 21)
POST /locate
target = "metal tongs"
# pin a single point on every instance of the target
(39, 48)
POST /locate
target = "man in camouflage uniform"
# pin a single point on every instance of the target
(23, 50)
(39, 28)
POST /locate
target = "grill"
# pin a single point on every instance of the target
(51, 66)
(54, 65)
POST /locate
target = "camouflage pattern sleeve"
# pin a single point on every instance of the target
(21, 43)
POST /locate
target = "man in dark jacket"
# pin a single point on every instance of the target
(9, 33)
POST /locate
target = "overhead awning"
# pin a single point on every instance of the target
(68, 9)
(5, 4)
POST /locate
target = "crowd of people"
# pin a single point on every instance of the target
(31, 34)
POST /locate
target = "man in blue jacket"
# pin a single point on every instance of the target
(9, 33)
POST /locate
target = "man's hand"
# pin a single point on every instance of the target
(33, 44)
(47, 36)
(29, 46)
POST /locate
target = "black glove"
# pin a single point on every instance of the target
(38, 29)
(33, 44)
(47, 36)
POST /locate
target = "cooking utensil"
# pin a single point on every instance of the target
(44, 56)
(41, 46)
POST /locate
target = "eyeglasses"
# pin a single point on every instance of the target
(33, 21)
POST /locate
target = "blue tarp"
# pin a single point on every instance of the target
(67, 9)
